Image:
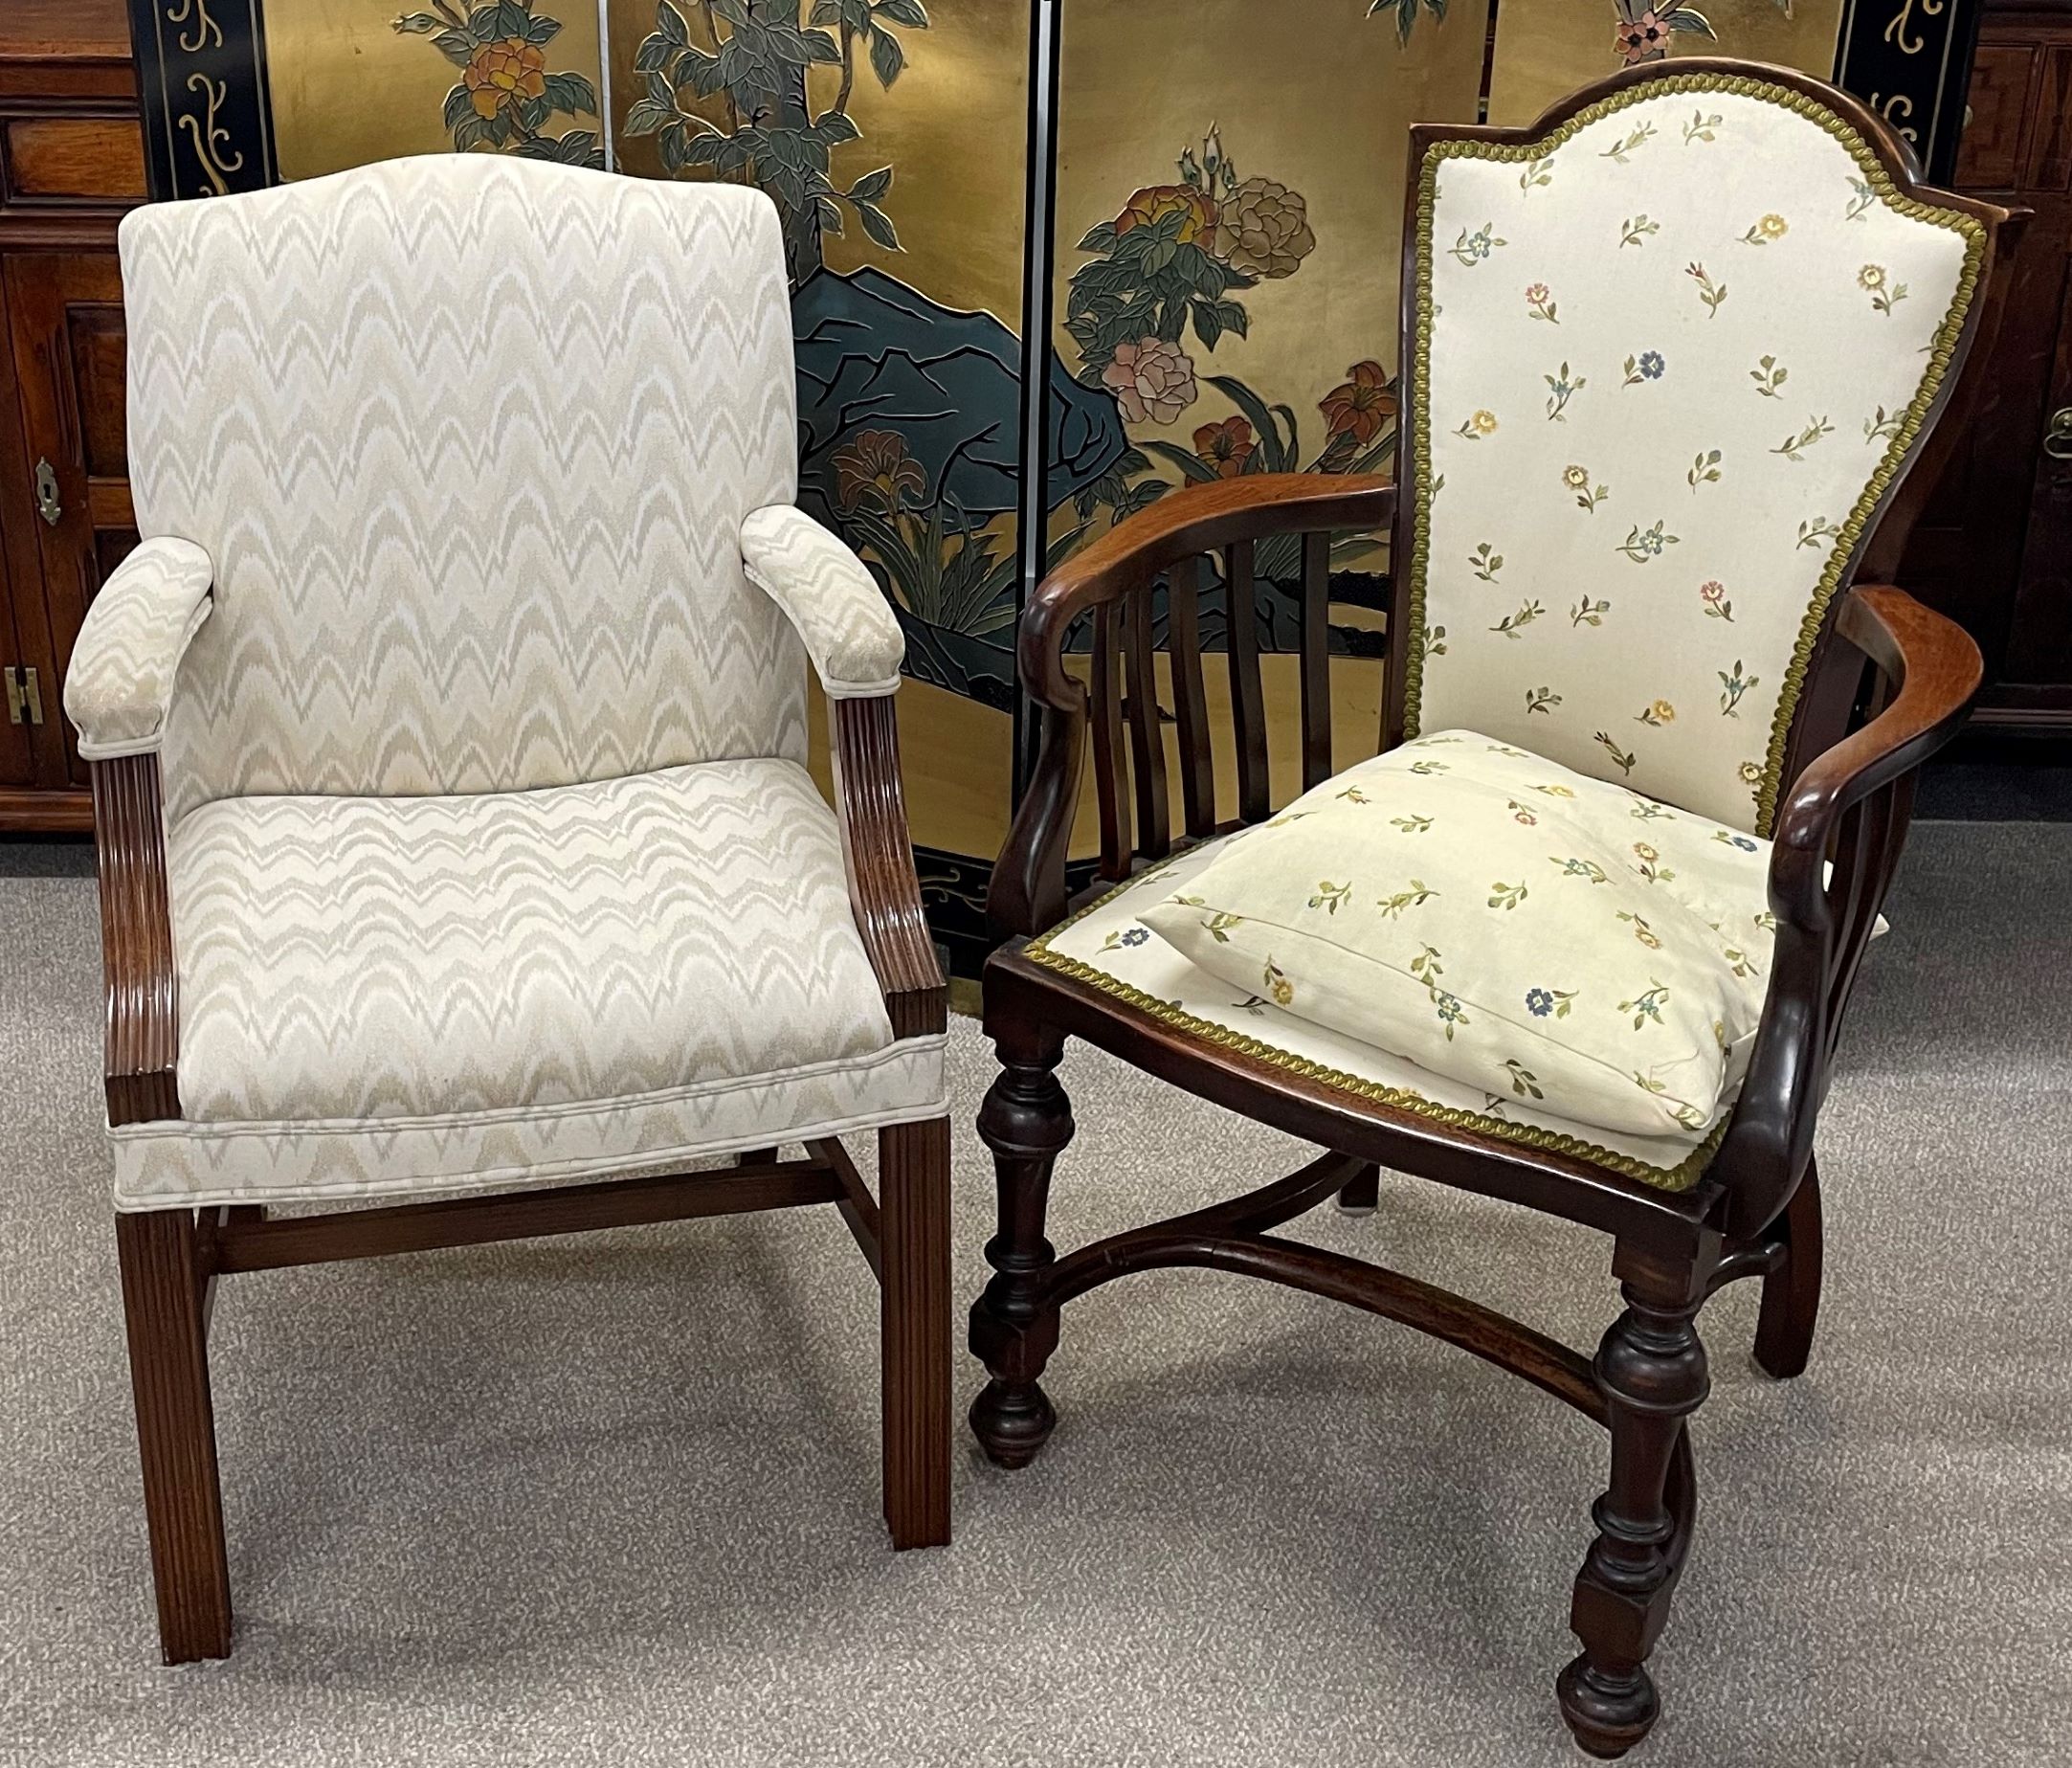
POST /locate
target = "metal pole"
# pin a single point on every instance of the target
(1039, 253)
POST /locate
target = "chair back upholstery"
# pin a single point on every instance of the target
(1667, 359)
(470, 439)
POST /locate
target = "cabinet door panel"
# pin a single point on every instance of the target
(66, 317)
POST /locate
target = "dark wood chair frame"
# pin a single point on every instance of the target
(171, 1258)
(1890, 683)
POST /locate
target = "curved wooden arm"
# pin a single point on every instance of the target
(883, 887)
(1028, 889)
(1849, 806)
(142, 991)
(1194, 520)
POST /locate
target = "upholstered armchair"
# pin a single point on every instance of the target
(448, 733)
(1671, 362)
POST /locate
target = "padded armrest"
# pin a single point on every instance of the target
(120, 681)
(849, 628)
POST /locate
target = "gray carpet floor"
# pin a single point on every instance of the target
(612, 1499)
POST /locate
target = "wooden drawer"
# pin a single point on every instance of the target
(71, 160)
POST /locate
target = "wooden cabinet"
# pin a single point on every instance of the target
(71, 162)
(1995, 545)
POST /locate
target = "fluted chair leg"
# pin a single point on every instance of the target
(169, 1365)
(913, 1178)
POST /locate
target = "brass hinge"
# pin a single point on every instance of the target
(25, 699)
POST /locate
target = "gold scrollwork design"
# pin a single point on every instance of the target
(1896, 28)
(208, 136)
(1895, 110)
(192, 16)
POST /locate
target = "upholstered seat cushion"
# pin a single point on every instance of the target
(403, 995)
(1504, 922)
(1449, 808)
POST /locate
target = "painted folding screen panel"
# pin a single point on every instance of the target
(1228, 239)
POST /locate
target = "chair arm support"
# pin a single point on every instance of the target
(883, 888)
(1027, 894)
(1825, 914)
(119, 682)
(143, 995)
(850, 630)
(1937, 669)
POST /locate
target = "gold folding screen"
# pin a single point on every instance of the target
(1228, 202)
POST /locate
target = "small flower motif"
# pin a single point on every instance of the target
(1641, 931)
(1636, 39)
(1646, 852)
(1727, 838)
(1885, 293)
(1560, 390)
(1539, 1003)
(1713, 594)
(1769, 227)
(1710, 292)
(1648, 366)
(1471, 249)
(876, 468)
(1478, 425)
(1225, 446)
(1151, 380)
(1576, 478)
(1751, 774)
(1542, 302)
(1656, 712)
(1451, 1012)
(1279, 988)
(1135, 936)
(1359, 407)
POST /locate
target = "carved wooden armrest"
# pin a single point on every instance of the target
(142, 1044)
(1028, 890)
(884, 887)
(1850, 806)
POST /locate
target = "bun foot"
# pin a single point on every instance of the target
(1609, 1714)
(1012, 1420)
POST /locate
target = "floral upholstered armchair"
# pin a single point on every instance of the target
(1582, 935)
(447, 732)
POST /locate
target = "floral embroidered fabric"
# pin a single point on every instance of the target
(1669, 358)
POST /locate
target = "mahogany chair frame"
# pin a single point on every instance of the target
(1890, 683)
(171, 1259)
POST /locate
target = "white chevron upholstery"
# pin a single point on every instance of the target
(470, 440)
(851, 635)
(120, 681)
(350, 968)
(489, 853)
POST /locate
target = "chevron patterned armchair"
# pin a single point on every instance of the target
(448, 733)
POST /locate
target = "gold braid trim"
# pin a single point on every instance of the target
(1679, 1177)
(1848, 538)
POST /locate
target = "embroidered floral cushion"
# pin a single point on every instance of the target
(1502, 922)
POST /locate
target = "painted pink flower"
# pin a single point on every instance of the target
(1151, 380)
(1643, 38)
(1712, 592)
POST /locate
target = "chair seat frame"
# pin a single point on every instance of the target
(171, 1259)
(1890, 681)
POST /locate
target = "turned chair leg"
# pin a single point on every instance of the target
(169, 1365)
(1026, 1120)
(1791, 1293)
(1362, 1195)
(1651, 1370)
(913, 1184)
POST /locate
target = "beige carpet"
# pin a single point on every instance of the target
(613, 1500)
